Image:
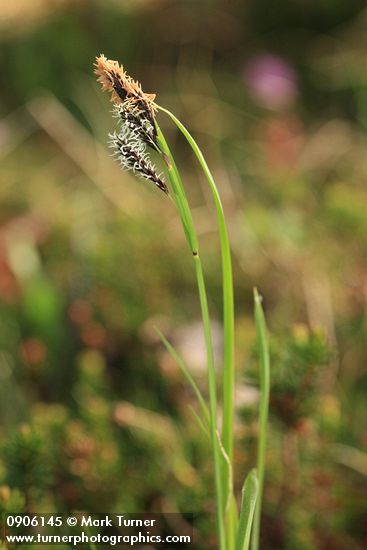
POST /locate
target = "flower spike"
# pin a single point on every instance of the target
(124, 89)
(135, 111)
(131, 153)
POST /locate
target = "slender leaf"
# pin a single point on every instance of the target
(264, 364)
(250, 493)
(192, 240)
(174, 354)
(231, 513)
(228, 319)
(199, 421)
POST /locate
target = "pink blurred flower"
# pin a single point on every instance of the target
(272, 81)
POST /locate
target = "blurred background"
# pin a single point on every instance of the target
(94, 414)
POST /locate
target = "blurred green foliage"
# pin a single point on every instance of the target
(94, 413)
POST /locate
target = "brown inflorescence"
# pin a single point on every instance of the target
(135, 111)
(124, 89)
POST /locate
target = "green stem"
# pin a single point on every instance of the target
(228, 329)
(191, 236)
(264, 364)
(228, 300)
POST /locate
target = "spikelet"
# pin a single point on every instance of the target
(137, 124)
(130, 151)
(123, 88)
(135, 112)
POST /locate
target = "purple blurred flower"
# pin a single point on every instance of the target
(271, 81)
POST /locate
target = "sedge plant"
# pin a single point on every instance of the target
(137, 137)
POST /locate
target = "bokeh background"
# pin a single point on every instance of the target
(94, 414)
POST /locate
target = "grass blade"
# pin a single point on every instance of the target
(264, 364)
(250, 493)
(171, 350)
(228, 299)
(191, 236)
(228, 319)
(200, 422)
